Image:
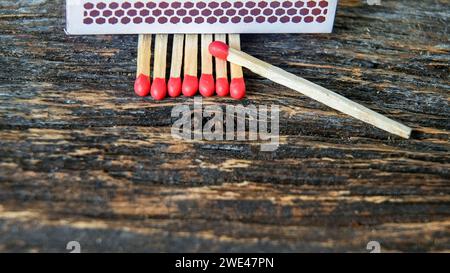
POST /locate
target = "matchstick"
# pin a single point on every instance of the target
(314, 91)
(174, 84)
(237, 86)
(206, 84)
(142, 83)
(158, 89)
(190, 81)
(222, 85)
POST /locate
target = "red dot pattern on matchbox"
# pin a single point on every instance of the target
(206, 12)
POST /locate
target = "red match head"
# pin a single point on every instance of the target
(159, 89)
(237, 88)
(218, 49)
(222, 87)
(206, 85)
(142, 85)
(189, 86)
(174, 87)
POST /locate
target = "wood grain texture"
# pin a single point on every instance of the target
(82, 158)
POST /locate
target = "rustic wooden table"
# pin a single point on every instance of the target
(82, 158)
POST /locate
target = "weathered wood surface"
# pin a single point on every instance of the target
(82, 158)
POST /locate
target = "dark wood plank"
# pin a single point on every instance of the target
(82, 158)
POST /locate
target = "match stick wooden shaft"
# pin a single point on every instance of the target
(234, 41)
(144, 54)
(207, 65)
(221, 65)
(318, 93)
(190, 54)
(159, 65)
(177, 56)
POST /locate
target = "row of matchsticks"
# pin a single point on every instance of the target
(190, 85)
(185, 53)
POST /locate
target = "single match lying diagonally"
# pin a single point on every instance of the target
(222, 51)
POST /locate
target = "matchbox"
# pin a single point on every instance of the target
(202, 16)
